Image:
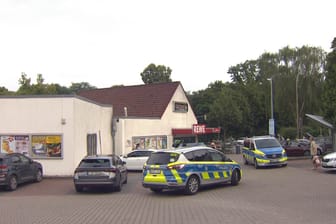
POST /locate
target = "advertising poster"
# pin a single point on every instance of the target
(153, 142)
(161, 142)
(15, 143)
(47, 146)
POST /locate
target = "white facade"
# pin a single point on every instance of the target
(127, 127)
(70, 117)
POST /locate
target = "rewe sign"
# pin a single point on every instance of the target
(198, 128)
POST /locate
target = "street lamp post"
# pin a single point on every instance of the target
(271, 121)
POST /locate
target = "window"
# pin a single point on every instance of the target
(161, 158)
(15, 159)
(201, 155)
(216, 156)
(95, 163)
(180, 107)
(91, 141)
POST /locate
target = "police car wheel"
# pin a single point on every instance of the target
(256, 164)
(245, 161)
(192, 185)
(234, 178)
(156, 190)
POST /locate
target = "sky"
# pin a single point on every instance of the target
(110, 42)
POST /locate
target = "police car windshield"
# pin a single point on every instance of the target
(162, 158)
(267, 143)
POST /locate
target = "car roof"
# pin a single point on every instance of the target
(186, 149)
(262, 137)
(3, 155)
(98, 157)
(142, 150)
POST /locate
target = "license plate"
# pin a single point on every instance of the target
(154, 171)
(96, 173)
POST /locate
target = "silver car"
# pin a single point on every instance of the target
(137, 158)
(329, 161)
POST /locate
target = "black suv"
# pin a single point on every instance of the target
(100, 171)
(16, 168)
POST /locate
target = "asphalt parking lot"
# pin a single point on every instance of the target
(293, 194)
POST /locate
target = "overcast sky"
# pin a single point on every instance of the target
(110, 42)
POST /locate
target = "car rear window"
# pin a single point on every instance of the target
(87, 163)
(161, 158)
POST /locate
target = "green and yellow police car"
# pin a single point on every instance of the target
(188, 169)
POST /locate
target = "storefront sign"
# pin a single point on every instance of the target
(198, 128)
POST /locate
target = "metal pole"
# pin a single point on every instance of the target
(272, 112)
(297, 105)
(271, 121)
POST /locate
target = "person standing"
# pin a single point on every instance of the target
(313, 152)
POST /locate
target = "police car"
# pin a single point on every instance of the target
(264, 151)
(188, 169)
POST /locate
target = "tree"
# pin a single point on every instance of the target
(4, 91)
(40, 88)
(156, 74)
(75, 87)
(25, 85)
(329, 90)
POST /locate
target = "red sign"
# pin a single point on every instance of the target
(198, 128)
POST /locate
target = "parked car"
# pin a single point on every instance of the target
(325, 143)
(329, 161)
(188, 169)
(295, 148)
(300, 148)
(100, 171)
(16, 168)
(136, 159)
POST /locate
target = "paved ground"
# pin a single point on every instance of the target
(294, 194)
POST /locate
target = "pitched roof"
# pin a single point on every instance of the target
(150, 100)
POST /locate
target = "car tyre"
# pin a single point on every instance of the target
(245, 160)
(192, 185)
(256, 164)
(119, 186)
(79, 188)
(38, 176)
(234, 178)
(12, 184)
(306, 153)
(156, 190)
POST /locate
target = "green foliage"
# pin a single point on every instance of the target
(295, 73)
(329, 90)
(75, 87)
(40, 88)
(156, 74)
(288, 132)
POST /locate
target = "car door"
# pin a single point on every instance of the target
(132, 160)
(28, 167)
(121, 167)
(18, 168)
(294, 149)
(221, 170)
